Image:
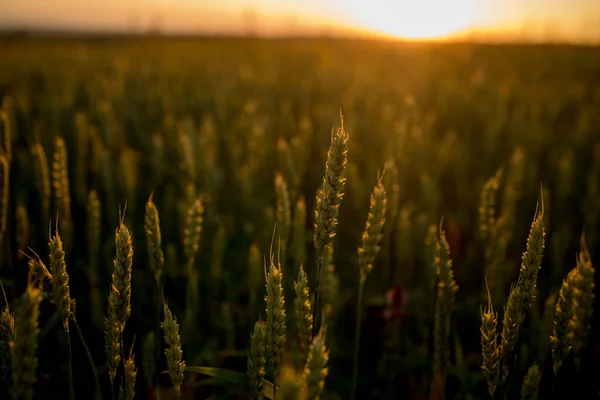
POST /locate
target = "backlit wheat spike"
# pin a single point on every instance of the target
(22, 231)
(487, 208)
(275, 334)
(112, 338)
(121, 277)
(444, 307)
(303, 314)
(531, 383)
(489, 346)
(256, 360)
(42, 178)
(585, 311)
(130, 375)
(331, 192)
(61, 294)
(119, 300)
(40, 276)
(7, 339)
(372, 234)
(315, 371)
(4, 193)
(25, 361)
(522, 294)
(62, 195)
(173, 352)
(298, 246)
(191, 246)
(371, 238)
(193, 230)
(561, 339)
(154, 238)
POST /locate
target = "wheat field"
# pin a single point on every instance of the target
(296, 219)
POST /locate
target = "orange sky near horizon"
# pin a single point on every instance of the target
(563, 20)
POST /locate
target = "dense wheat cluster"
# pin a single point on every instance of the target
(298, 219)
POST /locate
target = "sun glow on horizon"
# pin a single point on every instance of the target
(410, 19)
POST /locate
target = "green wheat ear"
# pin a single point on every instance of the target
(275, 332)
(489, 345)
(256, 360)
(303, 314)
(173, 352)
(574, 309)
(446, 293)
(7, 338)
(531, 383)
(315, 371)
(25, 361)
(60, 280)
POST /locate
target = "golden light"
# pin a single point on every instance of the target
(414, 19)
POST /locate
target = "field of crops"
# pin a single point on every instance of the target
(166, 205)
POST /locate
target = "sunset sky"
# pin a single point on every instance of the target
(565, 20)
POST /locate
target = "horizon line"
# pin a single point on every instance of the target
(334, 34)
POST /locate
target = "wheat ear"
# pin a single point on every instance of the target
(275, 329)
(522, 294)
(7, 340)
(444, 307)
(315, 371)
(25, 361)
(42, 178)
(173, 353)
(531, 383)
(371, 239)
(303, 314)
(256, 360)
(489, 345)
(61, 294)
(328, 200)
(154, 238)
